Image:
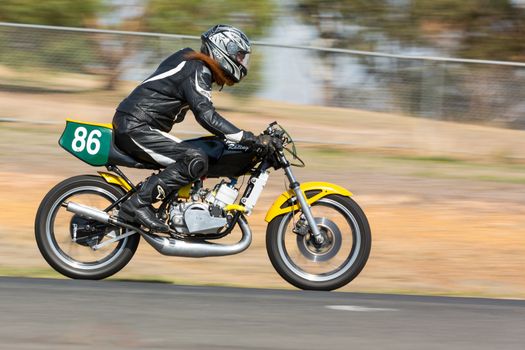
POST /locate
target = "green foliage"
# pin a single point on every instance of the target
(490, 29)
(53, 50)
(49, 50)
(477, 29)
(103, 54)
(51, 12)
(194, 17)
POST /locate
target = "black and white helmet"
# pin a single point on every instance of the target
(230, 47)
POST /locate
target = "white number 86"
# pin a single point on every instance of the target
(79, 142)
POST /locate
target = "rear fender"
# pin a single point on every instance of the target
(184, 192)
(313, 192)
(115, 179)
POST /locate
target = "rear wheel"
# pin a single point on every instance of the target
(77, 247)
(301, 261)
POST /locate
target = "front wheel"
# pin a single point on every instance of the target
(77, 247)
(301, 261)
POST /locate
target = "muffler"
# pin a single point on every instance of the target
(170, 246)
(88, 212)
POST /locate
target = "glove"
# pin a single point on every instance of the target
(262, 144)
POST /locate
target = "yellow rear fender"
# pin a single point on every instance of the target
(313, 192)
(115, 179)
(184, 192)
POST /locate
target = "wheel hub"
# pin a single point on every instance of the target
(86, 232)
(326, 250)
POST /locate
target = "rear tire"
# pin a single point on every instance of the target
(53, 230)
(304, 269)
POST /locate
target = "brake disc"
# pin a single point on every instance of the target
(328, 249)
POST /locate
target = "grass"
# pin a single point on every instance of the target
(399, 155)
(425, 166)
(37, 272)
(431, 159)
(31, 129)
(44, 139)
(34, 272)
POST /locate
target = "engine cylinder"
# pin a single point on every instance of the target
(224, 196)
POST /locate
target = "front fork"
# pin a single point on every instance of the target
(305, 207)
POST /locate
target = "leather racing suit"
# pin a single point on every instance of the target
(143, 120)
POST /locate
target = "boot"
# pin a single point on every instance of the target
(138, 207)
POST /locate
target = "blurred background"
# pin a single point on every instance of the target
(418, 107)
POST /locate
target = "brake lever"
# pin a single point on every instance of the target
(270, 130)
(278, 143)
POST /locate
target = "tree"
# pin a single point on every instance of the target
(192, 17)
(51, 12)
(195, 17)
(104, 54)
(480, 29)
(58, 51)
(484, 29)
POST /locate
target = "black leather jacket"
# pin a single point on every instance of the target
(176, 86)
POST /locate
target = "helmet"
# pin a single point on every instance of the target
(230, 48)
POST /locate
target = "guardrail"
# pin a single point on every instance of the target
(466, 90)
(267, 44)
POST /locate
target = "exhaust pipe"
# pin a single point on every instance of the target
(170, 246)
(88, 212)
(176, 247)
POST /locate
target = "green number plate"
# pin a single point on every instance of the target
(88, 142)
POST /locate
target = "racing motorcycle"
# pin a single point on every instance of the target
(317, 237)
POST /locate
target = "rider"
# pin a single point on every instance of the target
(182, 81)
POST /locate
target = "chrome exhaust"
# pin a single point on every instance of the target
(170, 246)
(88, 212)
(176, 247)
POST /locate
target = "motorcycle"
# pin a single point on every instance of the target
(317, 237)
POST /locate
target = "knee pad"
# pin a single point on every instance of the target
(197, 162)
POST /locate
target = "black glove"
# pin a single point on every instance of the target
(262, 144)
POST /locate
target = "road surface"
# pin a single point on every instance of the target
(67, 314)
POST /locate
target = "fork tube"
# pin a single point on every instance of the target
(296, 187)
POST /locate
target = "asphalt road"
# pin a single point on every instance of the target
(67, 314)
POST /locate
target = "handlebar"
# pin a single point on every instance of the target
(280, 139)
(278, 133)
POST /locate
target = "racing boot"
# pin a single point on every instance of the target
(138, 207)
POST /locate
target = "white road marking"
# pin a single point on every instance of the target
(357, 308)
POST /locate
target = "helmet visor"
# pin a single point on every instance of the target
(243, 58)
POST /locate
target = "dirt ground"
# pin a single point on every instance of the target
(446, 202)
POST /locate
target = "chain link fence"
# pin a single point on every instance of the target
(475, 91)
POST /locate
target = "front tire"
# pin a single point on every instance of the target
(338, 261)
(61, 248)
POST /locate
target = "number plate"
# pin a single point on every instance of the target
(87, 141)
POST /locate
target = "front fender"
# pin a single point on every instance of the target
(313, 192)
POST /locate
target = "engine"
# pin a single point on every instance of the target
(206, 217)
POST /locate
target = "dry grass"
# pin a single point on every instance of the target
(446, 202)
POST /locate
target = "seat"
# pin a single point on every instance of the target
(119, 157)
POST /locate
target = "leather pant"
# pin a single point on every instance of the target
(183, 163)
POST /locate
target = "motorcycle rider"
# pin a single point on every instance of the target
(182, 81)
